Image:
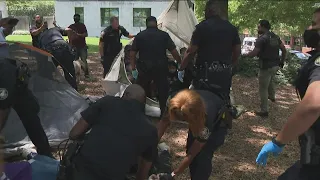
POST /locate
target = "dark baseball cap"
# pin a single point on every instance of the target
(151, 19)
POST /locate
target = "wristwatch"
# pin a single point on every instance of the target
(277, 142)
(173, 174)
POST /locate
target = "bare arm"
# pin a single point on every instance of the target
(131, 36)
(133, 59)
(253, 53)
(36, 32)
(236, 51)
(101, 45)
(193, 151)
(79, 129)
(143, 169)
(176, 55)
(284, 52)
(306, 113)
(162, 126)
(83, 34)
(188, 55)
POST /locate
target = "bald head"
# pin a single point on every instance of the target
(136, 92)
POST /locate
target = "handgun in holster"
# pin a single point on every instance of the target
(310, 152)
(67, 166)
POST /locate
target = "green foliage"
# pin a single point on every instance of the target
(30, 7)
(285, 16)
(249, 67)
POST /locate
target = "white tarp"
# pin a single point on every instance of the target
(60, 104)
(179, 21)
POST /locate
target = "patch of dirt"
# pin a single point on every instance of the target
(236, 158)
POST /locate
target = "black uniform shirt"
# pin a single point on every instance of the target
(269, 45)
(51, 35)
(215, 39)
(120, 133)
(111, 38)
(308, 74)
(213, 104)
(8, 78)
(152, 45)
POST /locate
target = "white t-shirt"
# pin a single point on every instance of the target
(4, 50)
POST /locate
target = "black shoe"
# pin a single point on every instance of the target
(262, 114)
(272, 99)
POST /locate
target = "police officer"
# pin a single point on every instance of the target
(110, 45)
(14, 93)
(217, 44)
(120, 132)
(152, 44)
(52, 41)
(267, 49)
(201, 109)
(304, 121)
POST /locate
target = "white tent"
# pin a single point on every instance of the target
(179, 21)
(60, 104)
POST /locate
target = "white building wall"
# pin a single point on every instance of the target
(3, 9)
(64, 11)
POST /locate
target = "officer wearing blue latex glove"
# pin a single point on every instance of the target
(180, 75)
(304, 123)
(271, 147)
(135, 73)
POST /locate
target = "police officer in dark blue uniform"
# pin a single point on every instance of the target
(152, 45)
(52, 41)
(217, 44)
(304, 121)
(110, 45)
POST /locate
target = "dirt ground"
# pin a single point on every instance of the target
(235, 160)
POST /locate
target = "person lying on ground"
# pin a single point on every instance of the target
(120, 136)
(206, 134)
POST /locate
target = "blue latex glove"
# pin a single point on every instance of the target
(180, 75)
(135, 73)
(270, 147)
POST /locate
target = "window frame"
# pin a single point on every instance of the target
(144, 18)
(81, 14)
(103, 19)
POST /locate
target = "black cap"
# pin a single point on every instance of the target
(151, 19)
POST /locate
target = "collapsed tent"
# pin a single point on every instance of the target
(179, 21)
(60, 104)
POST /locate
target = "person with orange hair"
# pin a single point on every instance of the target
(201, 110)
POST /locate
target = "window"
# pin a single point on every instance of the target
(106, 14)
(140, 15)
(80, 11)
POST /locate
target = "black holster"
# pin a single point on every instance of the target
(310, 151)
(67, 165)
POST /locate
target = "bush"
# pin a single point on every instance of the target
(249, 67)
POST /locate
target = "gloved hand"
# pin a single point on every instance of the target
(270, 147)
(180, 75)
(135, 73)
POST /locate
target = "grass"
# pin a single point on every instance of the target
(92, 42)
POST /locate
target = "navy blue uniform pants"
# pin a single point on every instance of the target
(298, 172)
(27, 108)
(201, 166)
(160, 78)
(63, 57)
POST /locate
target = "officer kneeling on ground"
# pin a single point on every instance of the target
(120, 134)
(51, 40)
(202, 110)
(14, 93)
(304, 122)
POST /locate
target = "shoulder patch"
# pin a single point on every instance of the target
(3, 94)
(317, 61)
(205, 133)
